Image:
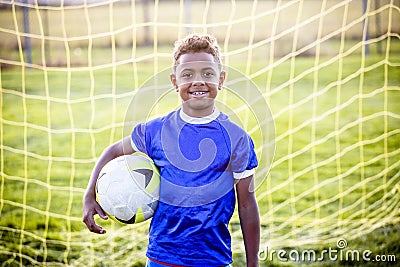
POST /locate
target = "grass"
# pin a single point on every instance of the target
(54, 124)
(52, 137)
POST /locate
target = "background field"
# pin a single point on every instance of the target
(333, 92)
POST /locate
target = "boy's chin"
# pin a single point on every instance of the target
(199, 105)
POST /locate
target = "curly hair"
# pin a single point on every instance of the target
(195, 42)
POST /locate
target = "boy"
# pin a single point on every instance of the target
(202, 157)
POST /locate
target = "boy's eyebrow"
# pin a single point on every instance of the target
(191, 69)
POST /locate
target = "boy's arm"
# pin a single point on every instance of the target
(90, 205)
(249, 219)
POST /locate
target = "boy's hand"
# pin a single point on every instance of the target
(91, 208)
(90, 205)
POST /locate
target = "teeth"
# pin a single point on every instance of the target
(198, 93)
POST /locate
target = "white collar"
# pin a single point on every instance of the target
(202, 120)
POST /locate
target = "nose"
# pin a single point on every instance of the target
(198, 83)
(198, 79)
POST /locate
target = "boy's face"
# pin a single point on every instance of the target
(197, 79)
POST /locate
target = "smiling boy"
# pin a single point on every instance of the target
(205, 163)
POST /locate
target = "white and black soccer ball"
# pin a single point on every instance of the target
(128, 188)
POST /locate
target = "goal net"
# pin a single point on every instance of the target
(329, 72)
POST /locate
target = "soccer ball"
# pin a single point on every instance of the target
(128, 188)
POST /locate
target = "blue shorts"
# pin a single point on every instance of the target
(151, 263)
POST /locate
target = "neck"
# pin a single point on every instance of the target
(197, 114)
(199, 120)
(194, 112)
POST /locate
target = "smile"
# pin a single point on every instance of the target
(198, 93)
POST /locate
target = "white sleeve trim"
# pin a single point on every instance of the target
(244, 174)
(134, 147)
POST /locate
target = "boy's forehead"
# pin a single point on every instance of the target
(200, 60)
(197, 56)
(197, 65)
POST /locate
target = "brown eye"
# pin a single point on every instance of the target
(208, 74)
(187, 75)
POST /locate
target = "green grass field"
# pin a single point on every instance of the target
(336, 166)
(52, 132)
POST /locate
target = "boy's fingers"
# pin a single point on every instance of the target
(91, 224)
(102, 214)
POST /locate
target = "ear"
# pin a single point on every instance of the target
(222, 77)
(172, 77)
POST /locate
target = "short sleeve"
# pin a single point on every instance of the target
(138, 137)
(244, 159)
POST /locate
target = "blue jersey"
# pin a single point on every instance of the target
(199, 160)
